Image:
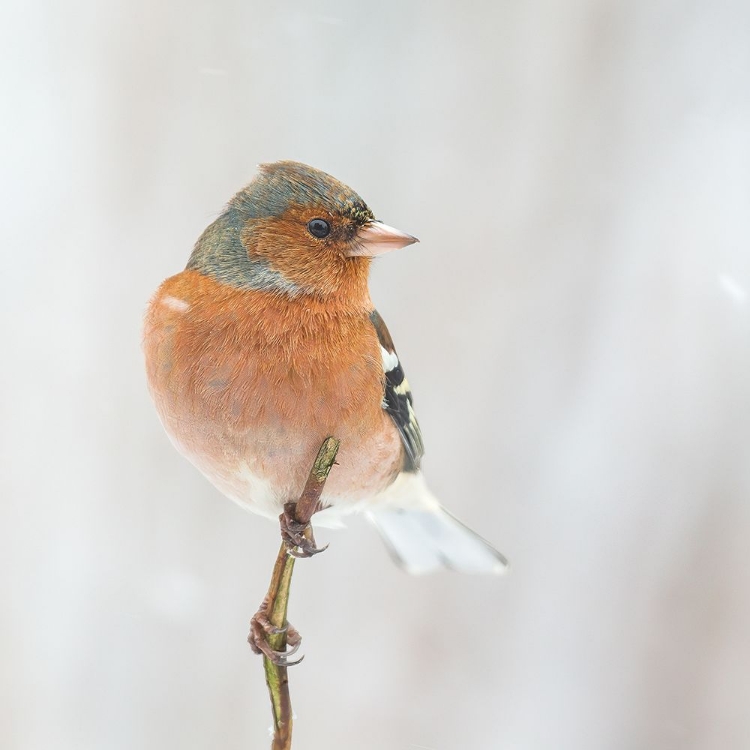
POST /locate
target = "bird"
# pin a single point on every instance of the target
(268, 342)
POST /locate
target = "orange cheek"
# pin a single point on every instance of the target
(315, 265)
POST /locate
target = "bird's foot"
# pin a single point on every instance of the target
(261, 627)
(298, 536)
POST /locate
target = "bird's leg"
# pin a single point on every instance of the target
(297, 536)
(261, 626)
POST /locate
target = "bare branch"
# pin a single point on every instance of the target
(273, 611)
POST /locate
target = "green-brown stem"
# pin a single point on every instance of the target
(277, 600)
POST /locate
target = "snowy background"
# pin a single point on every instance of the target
(575, 324)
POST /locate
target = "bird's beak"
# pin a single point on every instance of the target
(376, 238)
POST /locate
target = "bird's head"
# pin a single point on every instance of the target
(295, 230)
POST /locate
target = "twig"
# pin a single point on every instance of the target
(277, 600)
(310, 498)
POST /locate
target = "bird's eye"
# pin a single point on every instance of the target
(318, 228)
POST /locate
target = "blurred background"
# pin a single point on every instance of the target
(574, 325)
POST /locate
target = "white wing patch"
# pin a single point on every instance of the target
(390, 359)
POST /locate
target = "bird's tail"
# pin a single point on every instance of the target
(425, 540)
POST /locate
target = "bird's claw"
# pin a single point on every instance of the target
(261, 627)
(307, 549)
(298, 536)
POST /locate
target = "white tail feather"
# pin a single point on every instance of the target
(423, 541)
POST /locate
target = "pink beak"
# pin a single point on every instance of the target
(376, 238)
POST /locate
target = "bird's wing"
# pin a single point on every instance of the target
(397, 398)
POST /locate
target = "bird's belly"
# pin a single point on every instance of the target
(263, 468)
(260, 454)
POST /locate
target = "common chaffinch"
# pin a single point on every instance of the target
(268, 342)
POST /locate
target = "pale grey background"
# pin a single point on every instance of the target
(574, 324)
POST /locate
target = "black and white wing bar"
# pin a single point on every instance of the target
(397, 399)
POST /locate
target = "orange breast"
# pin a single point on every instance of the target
(248, 384)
